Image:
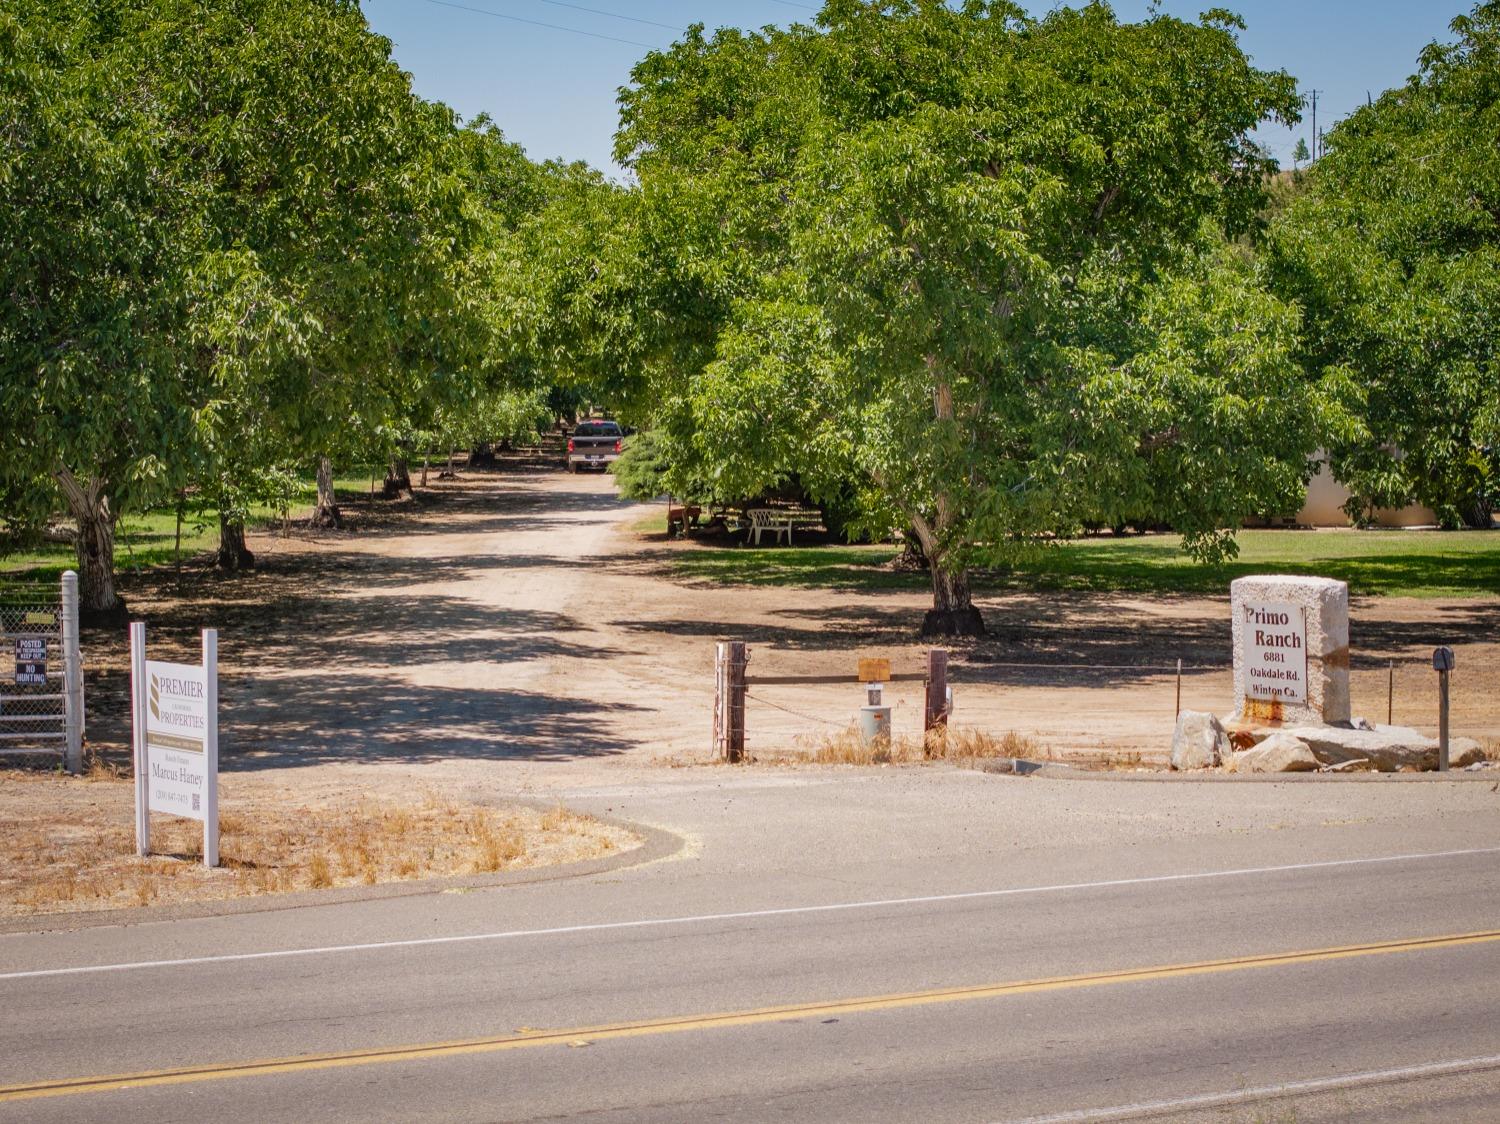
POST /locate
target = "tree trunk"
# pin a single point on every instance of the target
(426, 461)
(1478, 513)
(397, 478)
(234, 555)
(97, 601)
(912, 559)
(952, 612)
(326, 513)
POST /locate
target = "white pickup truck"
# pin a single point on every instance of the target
(594, 444)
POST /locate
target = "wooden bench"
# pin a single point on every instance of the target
(680, 517)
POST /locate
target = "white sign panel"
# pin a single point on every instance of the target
(177, 723)
(1273, 641)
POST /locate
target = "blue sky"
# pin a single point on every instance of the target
(552, 88)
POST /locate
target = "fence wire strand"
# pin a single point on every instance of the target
(32, 714)
(795, 713)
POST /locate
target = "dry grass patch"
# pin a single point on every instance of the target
(69, 844)
(953, 743)
(958, 743)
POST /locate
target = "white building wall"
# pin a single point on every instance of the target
(1326, 497)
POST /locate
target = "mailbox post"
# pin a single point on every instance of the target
(1442, 663)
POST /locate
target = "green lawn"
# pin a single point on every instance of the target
(1383, 563)
(149, 539)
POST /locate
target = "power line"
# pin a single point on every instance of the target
(1316, 147)
(539, 23)
(790, 4)
(611, 15)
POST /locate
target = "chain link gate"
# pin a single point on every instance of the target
(41, 671)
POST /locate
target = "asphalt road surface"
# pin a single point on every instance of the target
(1301, 971)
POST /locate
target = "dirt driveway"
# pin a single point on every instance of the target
(518, 628)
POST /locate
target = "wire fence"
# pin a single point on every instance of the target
(1053, 701)
(41, 680)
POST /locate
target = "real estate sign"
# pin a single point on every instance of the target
(1273, 640)
(176, 740)
(176, 729)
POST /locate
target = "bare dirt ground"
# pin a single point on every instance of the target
(69, 845)
(517, 619)
(512, 633)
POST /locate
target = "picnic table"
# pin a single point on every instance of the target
(682, 517)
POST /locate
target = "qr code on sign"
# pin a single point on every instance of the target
(196, 799)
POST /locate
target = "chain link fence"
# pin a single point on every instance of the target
(41, 673)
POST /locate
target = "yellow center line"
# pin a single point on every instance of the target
(380, 1055)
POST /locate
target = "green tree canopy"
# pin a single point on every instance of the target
(975, 264)
(1393, 249)
(233, 239)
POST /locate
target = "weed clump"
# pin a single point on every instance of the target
(945, 743)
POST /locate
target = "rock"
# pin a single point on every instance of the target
(1280, 753)
(1389, 748)
(1353, 765)
(1199, 742)
(1242, 736)
(1466, 755)
(1313, 614)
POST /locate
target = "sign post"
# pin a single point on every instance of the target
(1442, 663)
(176, 711)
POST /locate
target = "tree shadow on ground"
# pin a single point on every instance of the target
(321, 716)
(365, 609)
(1374, 640)
(329, 626)
(1075, 639)
(463, 509)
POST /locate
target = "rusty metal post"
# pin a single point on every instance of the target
(936, 709)
(1179, 689)
(1390, 692)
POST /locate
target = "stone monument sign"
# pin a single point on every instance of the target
(1291, 651)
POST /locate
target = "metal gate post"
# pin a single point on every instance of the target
(72, 676)
(720, 658)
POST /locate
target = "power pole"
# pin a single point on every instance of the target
(1312, 96)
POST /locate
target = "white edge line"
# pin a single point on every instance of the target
(1266, 1092)
(651, 922)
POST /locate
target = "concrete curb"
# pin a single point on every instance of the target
(1007, 766)
(656, 844)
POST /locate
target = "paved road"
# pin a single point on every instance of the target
(804, 957)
